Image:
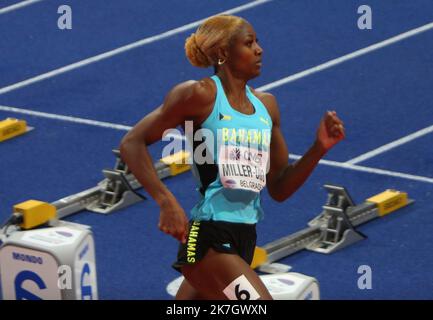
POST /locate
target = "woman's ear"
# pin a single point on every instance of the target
(223, 54)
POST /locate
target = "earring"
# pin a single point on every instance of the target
(221, 61)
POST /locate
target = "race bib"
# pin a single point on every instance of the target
(242, 167)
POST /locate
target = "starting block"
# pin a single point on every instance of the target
(334, 228)
(34, 213)
(115, 192)
(118, 189)
(12, 127)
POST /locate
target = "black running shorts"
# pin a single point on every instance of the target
(222, 236)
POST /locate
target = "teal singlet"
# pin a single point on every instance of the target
(231, 159)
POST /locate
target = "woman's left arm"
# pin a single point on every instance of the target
(283, 178)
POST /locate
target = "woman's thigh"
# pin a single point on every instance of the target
(187, 292)
(225, 276)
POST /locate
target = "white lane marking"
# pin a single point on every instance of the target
(370, 170)
(391, 145)
(345, 58)
(177, 136)
(18, 5)
(122, 49)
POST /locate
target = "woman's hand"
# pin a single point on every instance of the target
(331, 131)
(173, 220)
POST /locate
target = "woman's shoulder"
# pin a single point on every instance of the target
(193, 99)
(199, 91)
(269, 101)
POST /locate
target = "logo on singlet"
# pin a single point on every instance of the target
(235, 154)
(265, 121)
(224, 117)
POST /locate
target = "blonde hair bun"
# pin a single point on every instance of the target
(202, 47)
(194, 54)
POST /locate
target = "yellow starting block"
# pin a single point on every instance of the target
(389, 201)
(35, 213)
(178, 162)
(333, 229)
(12, 127)
(260, 257)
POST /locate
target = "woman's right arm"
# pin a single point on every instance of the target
(187, 101)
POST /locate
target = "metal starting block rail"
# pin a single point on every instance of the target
(117, 190)
(334, 228)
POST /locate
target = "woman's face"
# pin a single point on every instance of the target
(245, 54)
